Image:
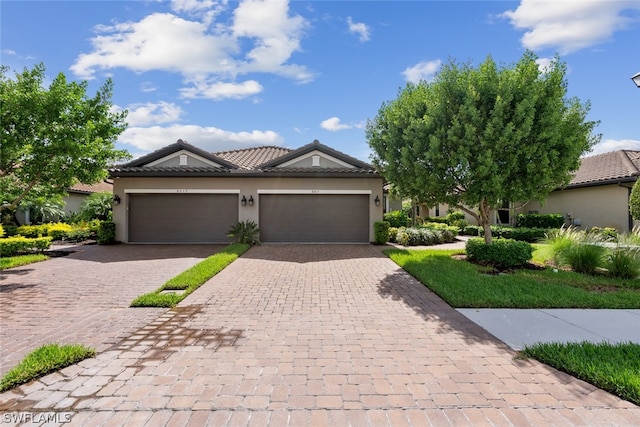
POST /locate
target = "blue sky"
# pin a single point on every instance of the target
(226, 75)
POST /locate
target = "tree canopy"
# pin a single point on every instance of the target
(55, 137)
(476, 137)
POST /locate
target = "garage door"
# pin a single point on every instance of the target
(314, 217)
(181, 218)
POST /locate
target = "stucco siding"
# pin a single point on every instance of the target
(248, 187)
(601, 206)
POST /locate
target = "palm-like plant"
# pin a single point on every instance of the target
(245, 232)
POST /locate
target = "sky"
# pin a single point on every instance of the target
(225, 75)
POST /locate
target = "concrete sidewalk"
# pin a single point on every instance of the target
(518, 328)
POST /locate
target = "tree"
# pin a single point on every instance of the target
(476, 137)
(634, 201)
(53, 138)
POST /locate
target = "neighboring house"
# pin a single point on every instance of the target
(182, 194)
(79, 192)
(598, 195)
(72, 201)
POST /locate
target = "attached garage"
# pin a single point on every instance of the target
(183, 194)
(181, 218)
(314, 218)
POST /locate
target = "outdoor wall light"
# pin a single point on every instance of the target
(244, 201)
(636, 79)
(116, 199)
(250, 200)
(377, 200)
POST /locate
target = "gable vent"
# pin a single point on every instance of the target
(315, 161)
(183, 159)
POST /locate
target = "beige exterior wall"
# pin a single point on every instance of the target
(601, 206)
(248, 187)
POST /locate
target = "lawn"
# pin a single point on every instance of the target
(466, 285)
(20, 260)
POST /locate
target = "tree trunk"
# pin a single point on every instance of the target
(485, 212)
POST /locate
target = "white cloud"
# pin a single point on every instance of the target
(153, 113)
(148, 87)
(220, 90)
(333, 124)
(359, 28)
(609, 145)
(422, 71)
(261, 37)
(568, 26)
(544, 64)
(147, 139)
(8, 52)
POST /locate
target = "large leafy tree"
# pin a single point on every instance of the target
(476, 137)
(55, 137)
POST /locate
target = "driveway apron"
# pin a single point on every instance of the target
(315, 335)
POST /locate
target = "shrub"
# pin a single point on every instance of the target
(33, 230)
(381, 232)
(393, 232)
(526, 234)
(402, 237)
(583, 252)
(623, 262)
(502, 253)
(246, 232)
(106, 233)
(607, 234)
(397, 219)
(540, 220)
(471, 230)
(454, 216)
(1, 231)
(80, 235)
(97, 206)
(435, 220)
(59, 230)
(16, 245)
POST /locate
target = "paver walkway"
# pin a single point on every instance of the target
(316, 335)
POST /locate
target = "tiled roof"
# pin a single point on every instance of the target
(351, 171)
(168, 171)
(100, 187)
(621, 165)
(251, 158)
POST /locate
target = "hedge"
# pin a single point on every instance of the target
(540, 220)
(16, 245)
(502, 253)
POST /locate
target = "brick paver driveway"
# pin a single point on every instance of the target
(315, 335)
(84, 297)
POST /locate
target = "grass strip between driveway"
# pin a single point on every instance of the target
(20, 260)
(44, 360)
(179, 287)
(465, 285)
(611, 367)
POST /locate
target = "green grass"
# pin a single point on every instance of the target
(463, 284)
(20, 260)
(44, 360)
(611, 367)
(191, 279)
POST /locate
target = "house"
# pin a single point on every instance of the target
(598, 194)
(77, 194)
(183, 194)
(72, 202)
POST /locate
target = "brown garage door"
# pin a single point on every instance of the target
(314, 217)
(181, 218)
